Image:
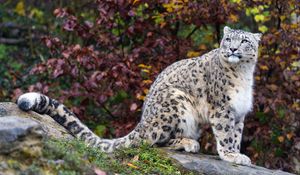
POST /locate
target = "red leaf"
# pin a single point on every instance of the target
(133, 107)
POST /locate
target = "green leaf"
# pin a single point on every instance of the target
(119, 97)
(254, 10)
(259, 18)
(100, 130)
(281, 113)
(20, 8)
(263, 28)
(235, 1)
(278, 152)
(262, 117)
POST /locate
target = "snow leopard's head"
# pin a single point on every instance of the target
(239, 46)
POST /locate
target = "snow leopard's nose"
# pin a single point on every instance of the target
(233, 49)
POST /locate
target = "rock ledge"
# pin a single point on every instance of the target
(207, 164)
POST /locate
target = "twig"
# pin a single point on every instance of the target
(192, 32)
(12, 41)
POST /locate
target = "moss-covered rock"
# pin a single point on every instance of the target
(74, 157)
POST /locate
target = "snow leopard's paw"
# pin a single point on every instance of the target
(186, 144)
(237, 158)
(191, 146)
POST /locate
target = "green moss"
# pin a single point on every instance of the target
(13, 164)
(74, 157)
(32, 170)
(145, 160)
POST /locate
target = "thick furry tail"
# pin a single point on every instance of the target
(45, 105)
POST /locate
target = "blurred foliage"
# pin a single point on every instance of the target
(102, 57)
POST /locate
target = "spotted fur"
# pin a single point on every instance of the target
(215, 88)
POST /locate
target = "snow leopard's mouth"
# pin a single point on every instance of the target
(233, 58)
(234, 55)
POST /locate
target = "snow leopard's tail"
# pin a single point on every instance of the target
(45, 105)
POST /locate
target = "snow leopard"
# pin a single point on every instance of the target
(215, 88)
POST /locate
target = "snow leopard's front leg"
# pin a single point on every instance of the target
(238, 132)
(223, 125)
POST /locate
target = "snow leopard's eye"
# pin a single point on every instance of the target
(245, 41)
(228, 39)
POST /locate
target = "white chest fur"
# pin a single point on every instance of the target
(242, 97)
(242, 101)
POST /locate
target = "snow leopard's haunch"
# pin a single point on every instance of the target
(215, 88)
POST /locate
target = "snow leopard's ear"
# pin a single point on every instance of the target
(226, 30)
(257, 36)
